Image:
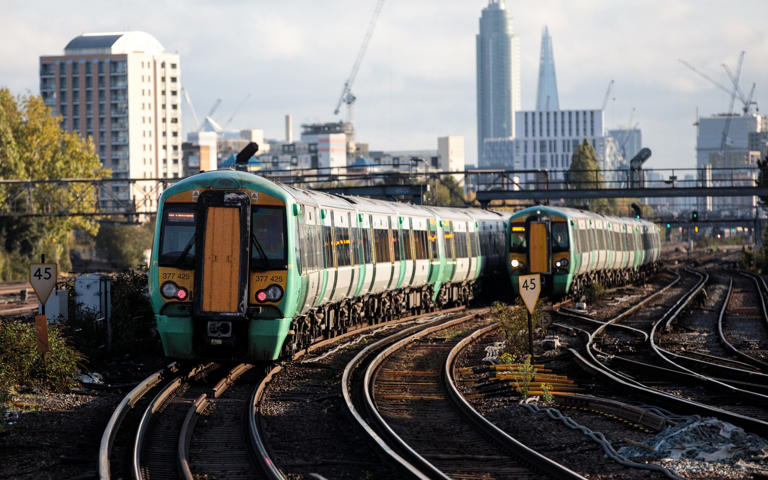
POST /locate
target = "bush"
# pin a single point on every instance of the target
(514, 324)
(131, 318)
(526, 372)
(593, 291)
(21, 366)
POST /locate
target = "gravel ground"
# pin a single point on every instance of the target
(56, 435)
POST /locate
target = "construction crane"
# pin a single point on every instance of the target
(733, 92)
(346, 93)
(237, 109)
(189, 103)
(607, 95)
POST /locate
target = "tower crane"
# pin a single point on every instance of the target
(346, 93)
(189, 103)
(733, 92)
(607, 94)
(237, 109)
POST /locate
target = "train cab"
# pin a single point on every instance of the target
(222, 262)
(539, 242)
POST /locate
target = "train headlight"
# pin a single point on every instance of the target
(561, 263)
(182, 294)
(261, 296)
(274, 293)
(170, 290)
(515, 263)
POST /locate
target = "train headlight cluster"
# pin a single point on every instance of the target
(561, 263)
(173, 291)
(515, 263)
(272, 293)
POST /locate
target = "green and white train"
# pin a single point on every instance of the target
(245, 268)
(573, 248)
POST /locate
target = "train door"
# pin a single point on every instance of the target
(539, 248)
(221, 285)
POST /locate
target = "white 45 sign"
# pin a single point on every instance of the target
(42, 277)
(530, 289)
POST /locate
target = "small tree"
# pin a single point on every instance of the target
(585, 173)
(124, 245)
(514, 324)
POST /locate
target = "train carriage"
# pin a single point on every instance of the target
(245, 268)
(573, 248)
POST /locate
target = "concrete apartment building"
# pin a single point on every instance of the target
(123, 91)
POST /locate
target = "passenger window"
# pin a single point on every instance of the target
(381, 246)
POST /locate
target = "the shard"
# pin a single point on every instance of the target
(546, 94)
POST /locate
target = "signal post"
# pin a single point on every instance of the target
(529, 287)
(42, 277)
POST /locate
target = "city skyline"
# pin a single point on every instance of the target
(417, 81)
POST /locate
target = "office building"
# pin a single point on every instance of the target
(630, 141)
(498, 75)
(122, 90)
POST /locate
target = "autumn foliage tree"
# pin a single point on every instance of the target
(33, 146)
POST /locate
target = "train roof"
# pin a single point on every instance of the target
(238, 179)
(575, 213)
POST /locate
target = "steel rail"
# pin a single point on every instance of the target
(666, 399)
(534, 459)
(665, 355)
(118, 415)
(393, 440)
(269, 467)
(152, 410)
(721, 333)
(197, 407)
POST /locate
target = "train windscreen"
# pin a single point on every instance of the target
(268, 245)
(560, 237)
(517, 240)
(177, 238)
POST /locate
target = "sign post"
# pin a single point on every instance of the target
(529, 287)
(42, 277)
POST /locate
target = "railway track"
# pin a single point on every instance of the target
(743, 322)
(407, 401)
(643, 368)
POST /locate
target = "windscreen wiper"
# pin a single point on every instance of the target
(255, 243)
(186, 250)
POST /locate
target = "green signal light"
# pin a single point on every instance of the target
(668, 225)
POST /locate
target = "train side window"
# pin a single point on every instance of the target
(407, 244)
(343, 258)
(434, 246)
(365, 233)
(328, 246)
(397, 240)
(420, 242)
(448, 241)
(177, 237)
(381, 246)
(560, 237)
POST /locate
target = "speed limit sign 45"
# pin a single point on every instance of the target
(42, 277)
(530, 289)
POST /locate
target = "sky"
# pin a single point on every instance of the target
(417, 80)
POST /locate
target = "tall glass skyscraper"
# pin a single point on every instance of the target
(546, 94)
(498, 75)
